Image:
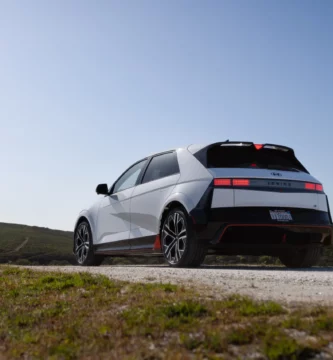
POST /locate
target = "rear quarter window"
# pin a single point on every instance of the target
(161, 166)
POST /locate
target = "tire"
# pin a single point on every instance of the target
(302, 258)
(180, 245)
(83, 246)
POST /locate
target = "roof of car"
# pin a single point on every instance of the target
(194, 148)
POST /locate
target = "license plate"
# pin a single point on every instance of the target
(280, 215)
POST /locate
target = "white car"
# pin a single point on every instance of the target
(235, 198)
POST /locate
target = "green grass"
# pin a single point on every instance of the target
(310, 324)
(277, 345)
(241, 336)
(68, 316)
(247, 307)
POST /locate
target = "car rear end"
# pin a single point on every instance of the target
(262, 201)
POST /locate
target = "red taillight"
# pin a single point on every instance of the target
(310, 186)
(241, 182)
(222, 182)
(231, 182)
(258, 146)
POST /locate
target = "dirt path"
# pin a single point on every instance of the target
(18, 248)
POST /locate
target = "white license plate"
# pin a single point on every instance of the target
(280, 215)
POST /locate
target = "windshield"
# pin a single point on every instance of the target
(249, 157)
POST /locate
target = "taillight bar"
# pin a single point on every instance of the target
(247, 182)
(231, 182)
(310, 186)
(240, 182)
(222, 182)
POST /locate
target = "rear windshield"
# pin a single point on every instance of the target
(249, 157)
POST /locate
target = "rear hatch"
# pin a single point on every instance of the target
(250, 175)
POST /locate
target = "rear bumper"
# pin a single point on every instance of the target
(215, 226)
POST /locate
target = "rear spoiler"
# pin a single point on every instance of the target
(257, 146)
(201, 154)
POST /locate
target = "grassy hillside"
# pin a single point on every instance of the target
(34, 243)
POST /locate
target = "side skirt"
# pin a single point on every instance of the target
(143, 246)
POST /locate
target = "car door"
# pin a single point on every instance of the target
(114, 214)
(148, 197)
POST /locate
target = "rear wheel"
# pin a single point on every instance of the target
(83, 246)
(180, 245)
(301, 257)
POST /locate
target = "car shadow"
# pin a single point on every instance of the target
(233, 267)
(265, 268)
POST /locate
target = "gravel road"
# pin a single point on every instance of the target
(275, 283)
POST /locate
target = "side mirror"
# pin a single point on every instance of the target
(102, 189)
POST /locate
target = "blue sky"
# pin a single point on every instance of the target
(89, 87)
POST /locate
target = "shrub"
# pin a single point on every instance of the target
(22, 262)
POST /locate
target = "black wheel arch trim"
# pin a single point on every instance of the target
(200, 213)
(78, 222)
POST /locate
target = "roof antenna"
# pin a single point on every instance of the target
(227, 140)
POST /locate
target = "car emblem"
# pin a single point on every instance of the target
(276, 174)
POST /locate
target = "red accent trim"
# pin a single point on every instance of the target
(157, 243)
(258, 146)
(273, 225)
(284, 238)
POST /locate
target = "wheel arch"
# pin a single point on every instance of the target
(80, 220)
(193, 254)
(177, 200)
(85, 216)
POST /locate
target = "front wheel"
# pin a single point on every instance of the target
(180, 246)
(83, 246)
(301, 258)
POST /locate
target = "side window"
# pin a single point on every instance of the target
(161, 166)
(130, 177)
